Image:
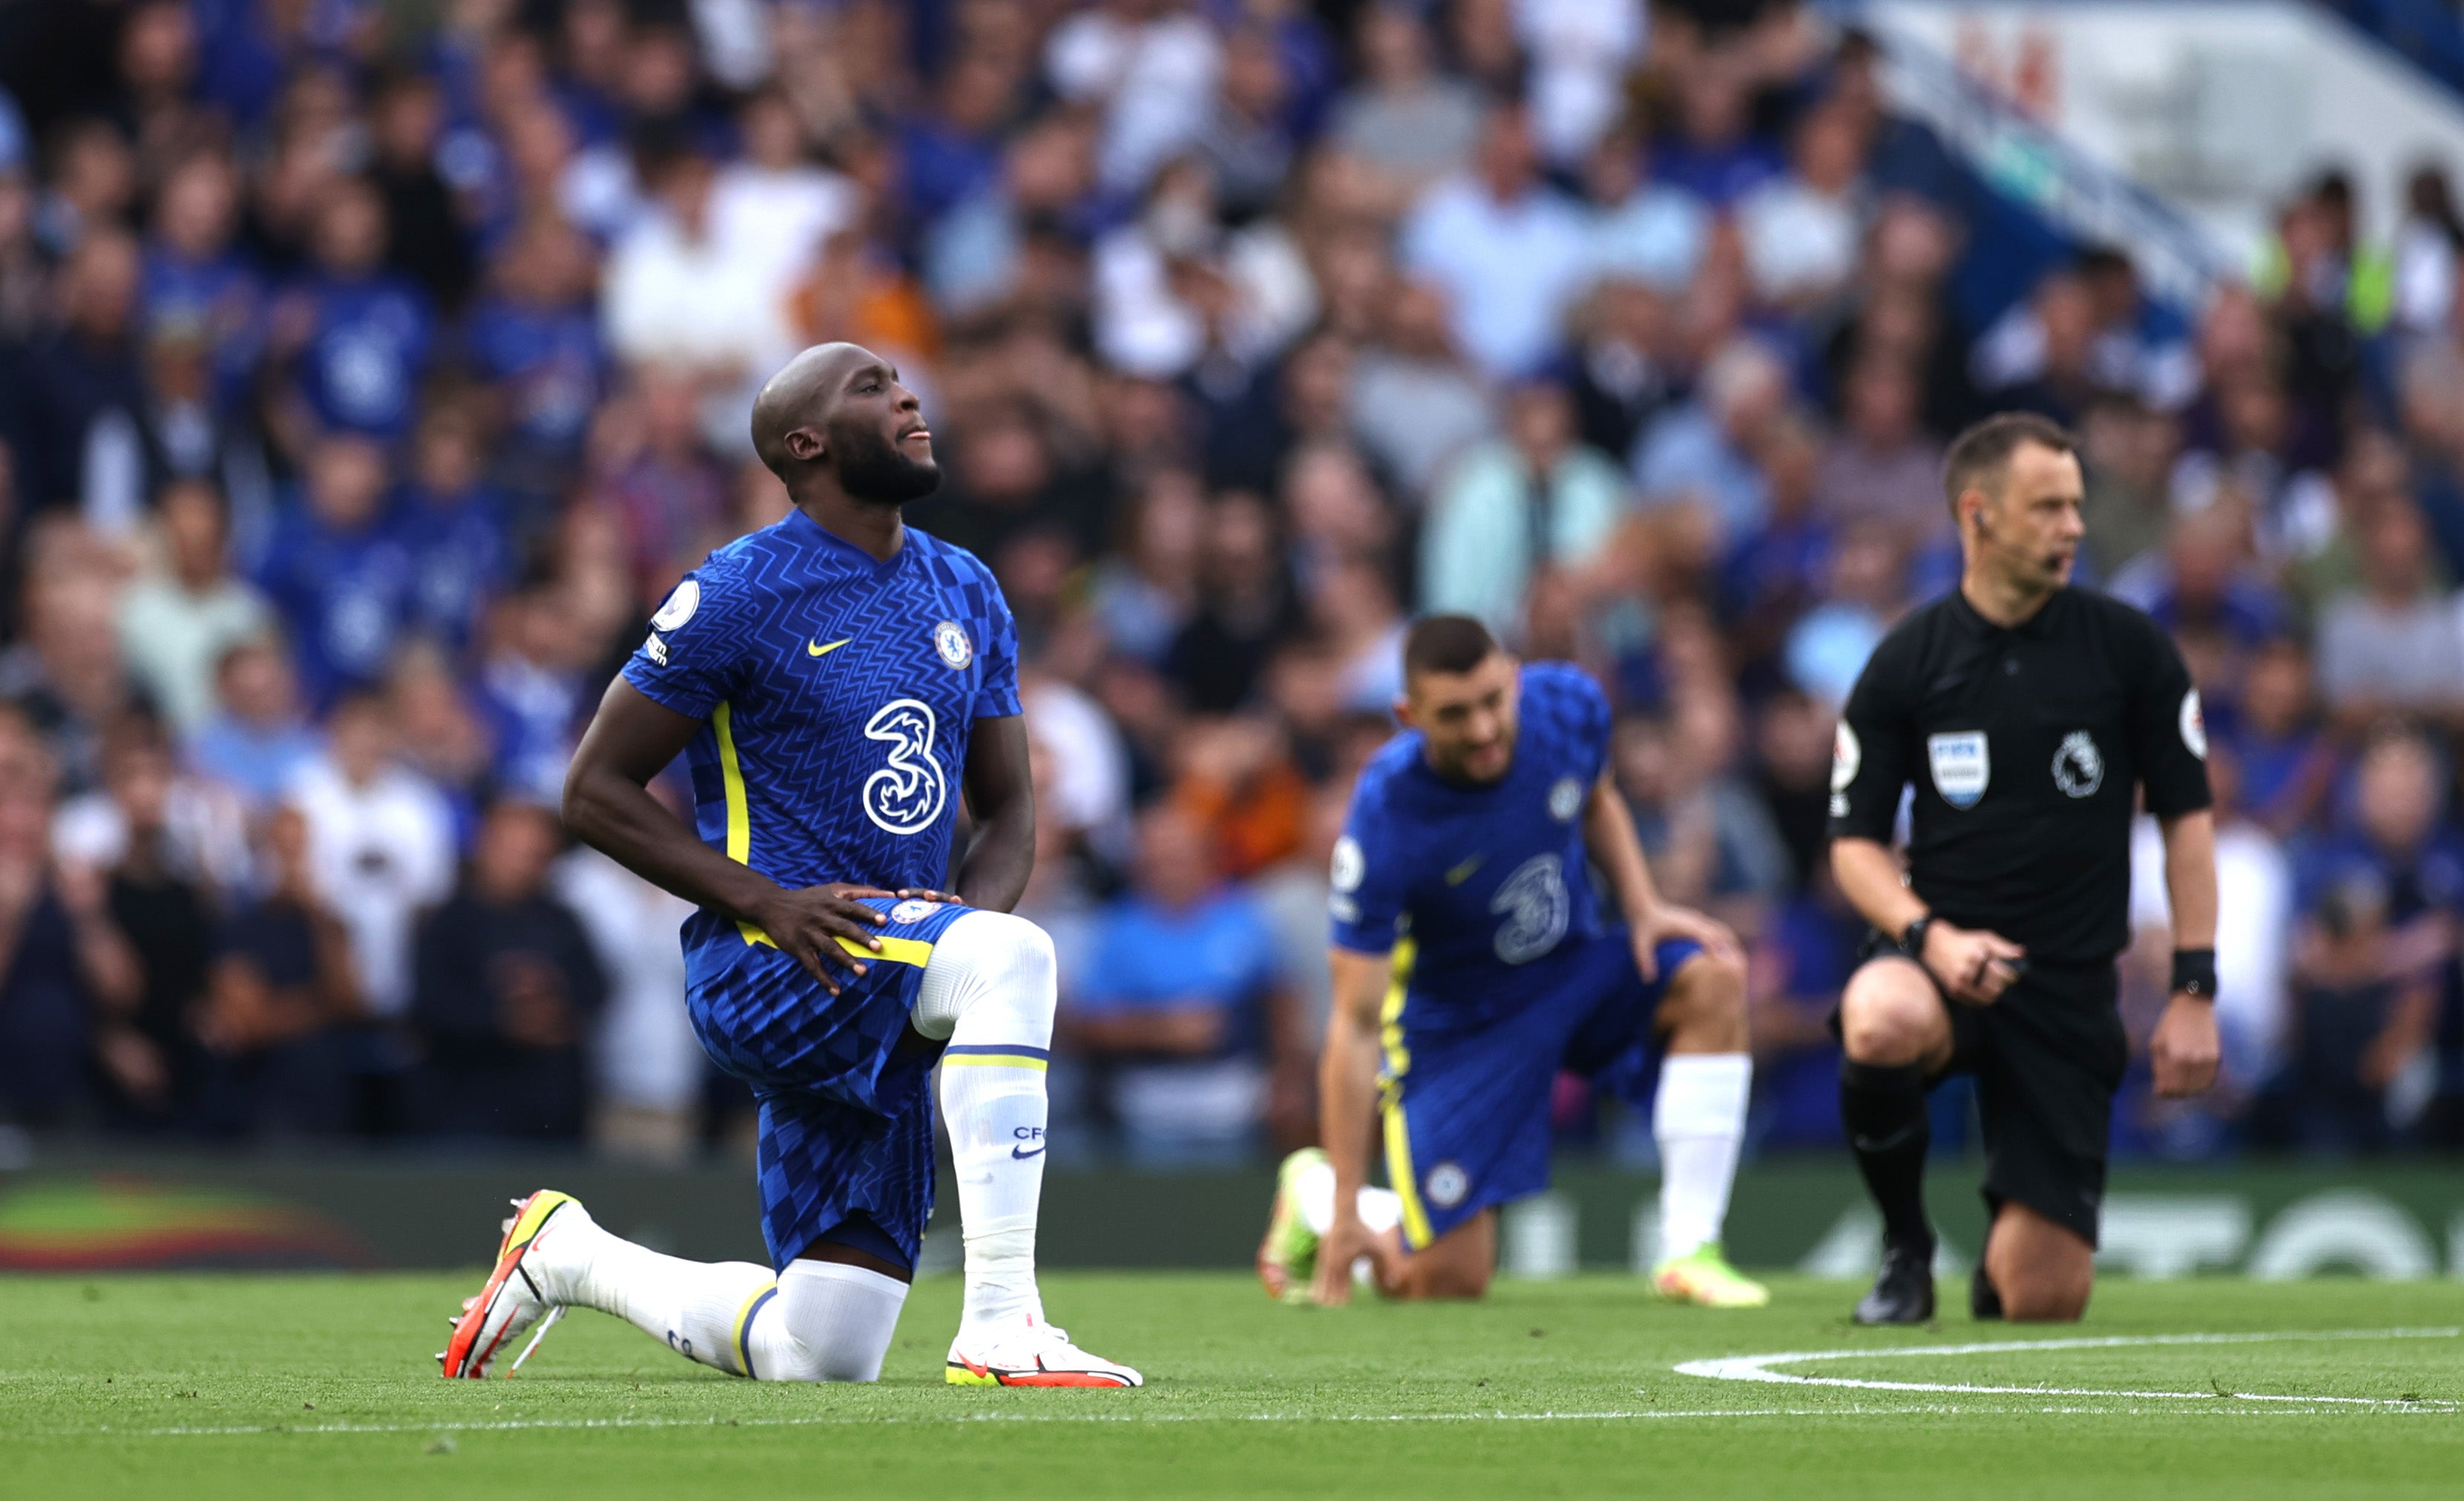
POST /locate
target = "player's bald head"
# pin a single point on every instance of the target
(800, 395)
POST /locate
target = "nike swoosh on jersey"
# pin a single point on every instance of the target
(1462, 873)
(816, 649)
(1021, 1153)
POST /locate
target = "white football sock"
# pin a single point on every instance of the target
(1313, 1191)
(697, 1308)
(829, 1322)
(1699, 1120)
(989, 988)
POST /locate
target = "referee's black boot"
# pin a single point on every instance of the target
(1984, 1298)
(1903, 1291)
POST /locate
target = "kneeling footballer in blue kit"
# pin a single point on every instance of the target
(1472, 962)
(837, 683)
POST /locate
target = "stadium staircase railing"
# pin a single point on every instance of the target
(2055, 197)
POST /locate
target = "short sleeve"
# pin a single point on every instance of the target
(1593, 719)
(692, 659)
(1870, 753)
(997, 698)
(1368, 878)
(2168, 739)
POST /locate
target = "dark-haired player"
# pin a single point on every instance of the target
(2028, 716)
(1472, 962)
(838, 682)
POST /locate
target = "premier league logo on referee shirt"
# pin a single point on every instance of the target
(1961, 766)
(2079, 766)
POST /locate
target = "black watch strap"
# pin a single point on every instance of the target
(1911, 941)
(2194, 973)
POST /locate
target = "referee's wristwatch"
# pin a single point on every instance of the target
(1911, 941)
(2194, 973)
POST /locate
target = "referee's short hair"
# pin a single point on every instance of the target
(1984, 449)
(1448, 644)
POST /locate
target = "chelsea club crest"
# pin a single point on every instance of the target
(953, 644)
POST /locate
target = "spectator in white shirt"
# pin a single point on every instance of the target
(773, 209)
(379, 845)
(680, 294)
(1801, 232)
(177, 621)
(1580, 51)
(1152, 64)
(1510, 252)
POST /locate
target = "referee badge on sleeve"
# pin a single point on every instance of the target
(1961, 766)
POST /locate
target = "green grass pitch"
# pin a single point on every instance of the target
(247, 1385)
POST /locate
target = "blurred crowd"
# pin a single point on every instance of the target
(364, 383)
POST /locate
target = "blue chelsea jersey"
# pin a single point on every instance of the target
(837, 693)
(1468, 885)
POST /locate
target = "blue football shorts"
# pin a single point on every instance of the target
(846, 1146)
(1466, 1109)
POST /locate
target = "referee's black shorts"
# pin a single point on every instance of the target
(2048, 1056)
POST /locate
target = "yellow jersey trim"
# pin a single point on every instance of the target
(1399, 1132)
(995, 1060)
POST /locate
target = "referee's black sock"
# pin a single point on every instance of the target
(1883, 1107)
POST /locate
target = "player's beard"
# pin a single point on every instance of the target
(874, 468)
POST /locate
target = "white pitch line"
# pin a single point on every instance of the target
(532, 1424)
(1757, 1367)
(1734, 1368)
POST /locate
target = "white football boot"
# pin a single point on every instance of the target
(1032, 1353)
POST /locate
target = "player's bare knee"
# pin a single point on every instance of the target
(1888, 1015)
(1707, 1004)
(1429, 1277)
(2058, 1299)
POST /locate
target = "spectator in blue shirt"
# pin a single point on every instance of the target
(2398, 875)
(334, 570)
(256, 740)
(1802, 958)
(534, 338)
(533, 691)
(360, 333)
(2286, 760)
(452, 529)
(1713, 153)
(954, 151)
(194, 277)
(1178, 1012)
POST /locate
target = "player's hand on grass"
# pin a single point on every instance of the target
(1668, 920)
(1973, 965)
(2184, 1049)
(808, 923)
(1346, 1240)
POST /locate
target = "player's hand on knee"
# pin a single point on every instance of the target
(928, 893)
(1668, 920)
(1975, 967)
(2185, 1049)
(810, 921)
